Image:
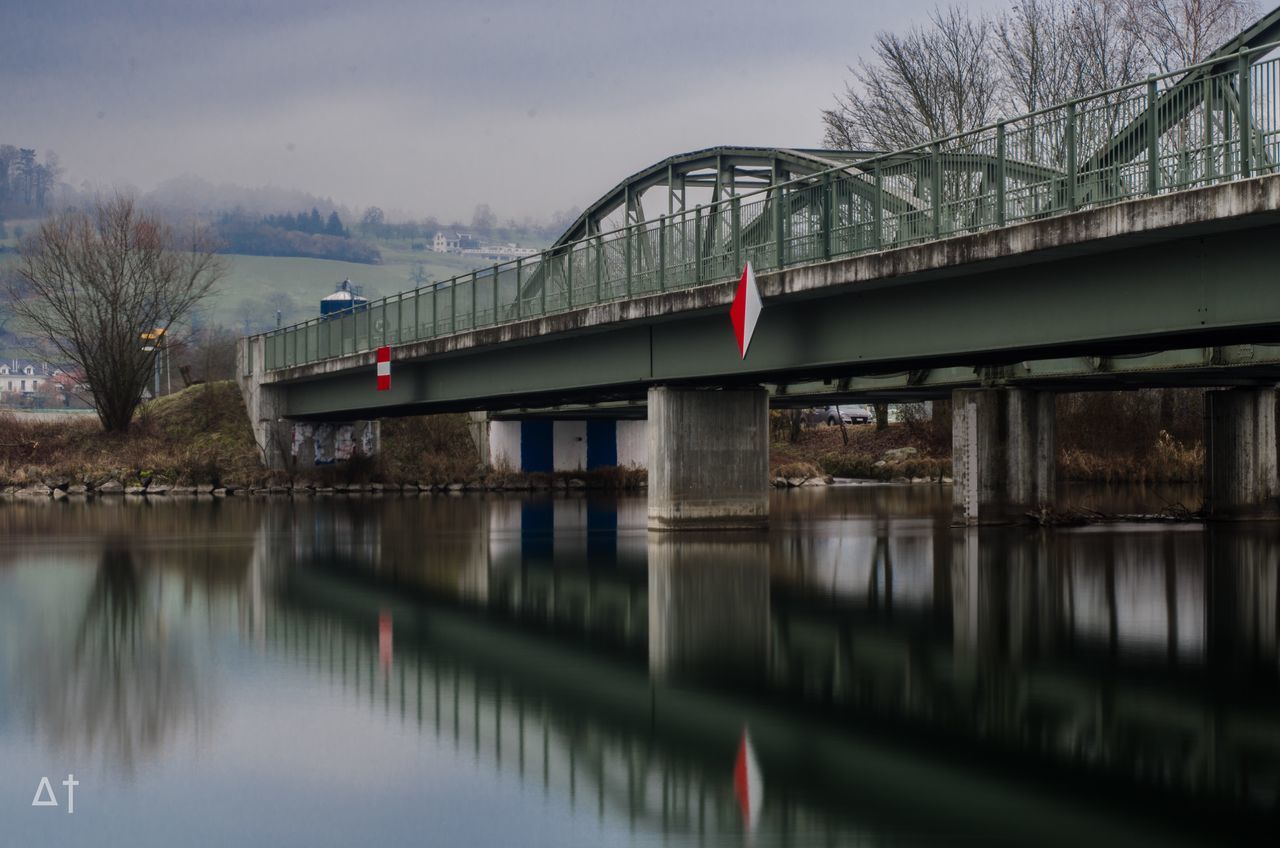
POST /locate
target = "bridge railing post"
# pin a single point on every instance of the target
(497, 275)
(475, 275)
(453, 305)
(1246, 119)
(662, 252)
(877, 206)
(1000, 187)
(1071, 157)
(1210, 157)
(368, 326)
(827, 216)
(548, 268)
(628, 254)
(735, 230)
(1153, 141)
(697, 244)
(568, 274)
(779, 199)
(935, 188)
(599, 269)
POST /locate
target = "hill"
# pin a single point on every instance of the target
(259, 285)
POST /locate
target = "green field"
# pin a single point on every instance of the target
(257, 286)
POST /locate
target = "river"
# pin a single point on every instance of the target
(541, 670)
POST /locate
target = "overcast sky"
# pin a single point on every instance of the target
(427, 107)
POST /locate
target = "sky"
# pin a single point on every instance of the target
(427, 107)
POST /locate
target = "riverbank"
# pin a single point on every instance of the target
(1099, 446)
(198, 441)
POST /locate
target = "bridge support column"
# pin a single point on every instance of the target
(1240, 479)
(708, 458)
(1002, 454)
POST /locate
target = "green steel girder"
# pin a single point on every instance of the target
(1176, 102)
(1227, 365)
(1202, 289)
(797, 161)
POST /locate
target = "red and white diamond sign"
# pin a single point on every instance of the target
(384, 369)
(748, 783)
(745, 311)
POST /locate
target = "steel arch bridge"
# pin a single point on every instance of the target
(691, 220)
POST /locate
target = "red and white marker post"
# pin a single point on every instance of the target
(745, 311)
(384, 369)
(748, 785)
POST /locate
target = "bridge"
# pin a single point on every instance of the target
(1120, 240)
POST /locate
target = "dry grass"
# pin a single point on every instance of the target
(1167, 461)
(801, 470)
(433, 449)
(198, 435)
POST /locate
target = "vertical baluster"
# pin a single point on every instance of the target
(935, 187)
(1153, 141)
(1071, 157)
(1246, 122)
(1000, 186)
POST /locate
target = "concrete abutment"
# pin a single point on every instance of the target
(708, 458)
(286, 444)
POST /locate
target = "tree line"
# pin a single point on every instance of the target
(308, 222)
(965, 69)
(302, 234)
(484, 224)
(26, 183)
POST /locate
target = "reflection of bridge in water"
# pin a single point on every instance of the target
(1088, 649)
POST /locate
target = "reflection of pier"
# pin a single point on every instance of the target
(1088, 648)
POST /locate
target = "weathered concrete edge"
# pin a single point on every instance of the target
(1242, 198)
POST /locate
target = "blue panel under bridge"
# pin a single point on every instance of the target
(602, 443)
(536, 452)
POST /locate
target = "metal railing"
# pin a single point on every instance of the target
(1210, 123)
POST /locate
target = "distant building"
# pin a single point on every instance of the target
(20, 377)
(500, 252)
(346, 296)
(35, 383)
(456, 243)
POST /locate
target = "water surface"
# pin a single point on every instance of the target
(538, 670)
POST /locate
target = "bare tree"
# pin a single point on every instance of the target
(958, 72)
(92, 284)
(931, 82)
(1176, 33)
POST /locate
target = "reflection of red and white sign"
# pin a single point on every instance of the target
(747, 783)
(384, 639)
(384, 369)
(746, 309)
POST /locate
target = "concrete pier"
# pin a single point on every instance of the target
(708, 458)
(1002, 454)
(1240, 479)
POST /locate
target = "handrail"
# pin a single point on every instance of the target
(1225, 126)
